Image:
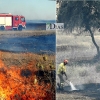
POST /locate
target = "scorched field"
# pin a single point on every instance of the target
(26, 75)
(83, 70)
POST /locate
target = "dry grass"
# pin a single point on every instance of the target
(75, 47)
(25, 60)
(22, 71)
(26, 33)
(22, 59)
(81, 70)
(79, 50)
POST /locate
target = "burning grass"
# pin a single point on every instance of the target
(20, 82)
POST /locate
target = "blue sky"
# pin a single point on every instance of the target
(31, 9)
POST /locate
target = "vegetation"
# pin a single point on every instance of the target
(82, 68)
(21, 78)
(83, 15)
(26, 33)
(26, 76)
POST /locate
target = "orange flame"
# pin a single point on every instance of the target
(14, 85)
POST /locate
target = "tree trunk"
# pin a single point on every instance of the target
(94, 42)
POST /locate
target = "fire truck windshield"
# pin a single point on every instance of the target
(23, 19)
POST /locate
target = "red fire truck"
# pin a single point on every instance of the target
(12, 22)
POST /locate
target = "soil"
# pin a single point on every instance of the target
(87, 90)
(90, 92)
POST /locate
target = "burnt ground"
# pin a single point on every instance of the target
(90, 92)
(86, 91)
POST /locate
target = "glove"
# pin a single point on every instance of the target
(66, 76)
(62, 72)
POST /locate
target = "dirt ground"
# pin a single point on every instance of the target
(90, 92)
(82, 69)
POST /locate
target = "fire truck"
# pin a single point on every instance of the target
(12, 22)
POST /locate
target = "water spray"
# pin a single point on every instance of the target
(71, 85)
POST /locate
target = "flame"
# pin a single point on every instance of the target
(20, 83)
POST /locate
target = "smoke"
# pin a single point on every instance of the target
(80, 87)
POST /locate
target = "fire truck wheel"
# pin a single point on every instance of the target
(2, 28)
(20, 27)
(15, 29)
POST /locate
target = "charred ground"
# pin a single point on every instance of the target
(82, 69)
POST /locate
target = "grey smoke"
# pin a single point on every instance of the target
(80, 87)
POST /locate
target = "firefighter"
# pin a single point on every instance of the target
(61, 73)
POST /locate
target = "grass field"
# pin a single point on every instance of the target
(18, 78)
(81, 69)
(25, 33)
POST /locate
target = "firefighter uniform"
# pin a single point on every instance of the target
(61, 72)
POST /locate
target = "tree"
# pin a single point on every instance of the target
(81, 14)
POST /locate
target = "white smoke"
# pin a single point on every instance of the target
(80, 87)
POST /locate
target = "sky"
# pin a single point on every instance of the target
(31, 9)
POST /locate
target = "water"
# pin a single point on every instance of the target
(72, 86)
(35, 44)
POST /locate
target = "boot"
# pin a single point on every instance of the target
(58, 84)
(62, 86)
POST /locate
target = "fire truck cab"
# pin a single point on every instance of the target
(12, 22)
